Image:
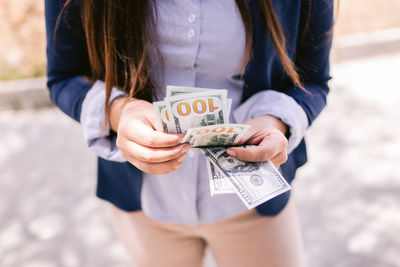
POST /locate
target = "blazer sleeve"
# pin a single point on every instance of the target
(312, 60)
(67, 57)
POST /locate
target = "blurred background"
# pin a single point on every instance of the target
(348, 194)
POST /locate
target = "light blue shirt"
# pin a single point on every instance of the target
(202, 43)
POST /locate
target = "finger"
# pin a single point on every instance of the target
(151, 154)
(248, 136)
(156, 168)
(272, 145)
(279, 159)
(252, 154)
(146, 135)
(254, 137)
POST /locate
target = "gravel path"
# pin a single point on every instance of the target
(348, 195)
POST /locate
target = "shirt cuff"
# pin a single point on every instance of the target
(95, 131)
(279, 105)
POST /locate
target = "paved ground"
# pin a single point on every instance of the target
(348, 195)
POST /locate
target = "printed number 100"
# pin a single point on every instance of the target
(198, 106)
(218, 129)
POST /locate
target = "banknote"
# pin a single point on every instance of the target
(173, 90)
(215, 135)
(229, 104)
(164, 122)
(203, 114)
(219, 183)
(254, 182)
(197, 109)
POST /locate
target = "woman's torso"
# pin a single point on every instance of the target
(202, 43)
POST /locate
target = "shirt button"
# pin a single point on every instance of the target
(190, 33)
(192, 18)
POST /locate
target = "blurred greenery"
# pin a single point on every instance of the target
(15, 72)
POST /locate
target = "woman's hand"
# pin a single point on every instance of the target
(268, 133)
(149, 150)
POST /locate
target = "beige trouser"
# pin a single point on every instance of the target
(247, 239)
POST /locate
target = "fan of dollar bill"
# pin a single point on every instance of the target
(202, 114)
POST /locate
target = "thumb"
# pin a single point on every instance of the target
(251, 154)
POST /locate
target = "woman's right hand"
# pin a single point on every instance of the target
(149, 150)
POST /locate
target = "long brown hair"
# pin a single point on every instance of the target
(118, 32)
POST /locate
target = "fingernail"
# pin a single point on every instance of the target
(178, 166)
(231, 152)
(181, 158)
(185, 148)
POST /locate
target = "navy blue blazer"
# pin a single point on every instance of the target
(120, 183)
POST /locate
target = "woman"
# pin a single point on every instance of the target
(107, 62)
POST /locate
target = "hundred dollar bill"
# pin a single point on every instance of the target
(215, 135)
(254, 182)
(163, 119)
(197, 109)
(229, 103)
(219, 183)
(173, 90)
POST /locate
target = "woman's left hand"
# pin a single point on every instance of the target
(268, 133)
